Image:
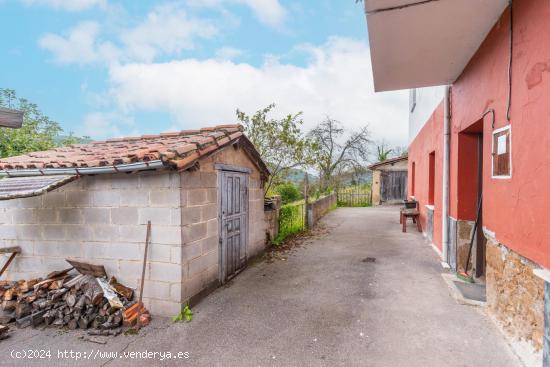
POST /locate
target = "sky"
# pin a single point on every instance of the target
(106, 68)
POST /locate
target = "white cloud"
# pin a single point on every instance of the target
(166, 29)
(103, 125)
(337, 81)
(269, 12)
(228, 53)
(69, 5)
(79, 45)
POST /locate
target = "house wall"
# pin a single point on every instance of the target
(429, 139)
(200, 256)
(515, 208)
(102, 219)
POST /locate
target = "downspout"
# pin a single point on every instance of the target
(446, 175)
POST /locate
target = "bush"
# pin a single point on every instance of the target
(288, 193)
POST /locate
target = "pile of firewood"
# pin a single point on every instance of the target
(88, 300)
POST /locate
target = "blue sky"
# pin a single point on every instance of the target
(114, 68)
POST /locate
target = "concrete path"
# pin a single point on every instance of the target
(321, 306)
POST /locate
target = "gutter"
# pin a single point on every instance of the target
(129, 167)
(446, 174)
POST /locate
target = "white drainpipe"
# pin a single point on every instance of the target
(446, 173)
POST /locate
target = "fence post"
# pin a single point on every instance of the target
(306, 200)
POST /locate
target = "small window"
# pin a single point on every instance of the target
(502, 153)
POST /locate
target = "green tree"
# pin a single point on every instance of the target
(38, 132)
(383, 151)
(288, 192)
(280, 142)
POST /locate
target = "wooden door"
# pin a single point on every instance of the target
(393, 186)
(233, 223)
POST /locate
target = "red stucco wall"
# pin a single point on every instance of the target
(429, 139)
(514, 209)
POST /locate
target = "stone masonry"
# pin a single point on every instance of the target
(515, 296)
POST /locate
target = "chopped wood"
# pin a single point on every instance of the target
(59, 273)
(22, 309)
(8, 305)
(9, 250)
(124, 291)
(89, 269)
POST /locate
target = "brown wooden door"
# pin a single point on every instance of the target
(393, 186)
(234, 223)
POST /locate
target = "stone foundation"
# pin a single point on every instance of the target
(515, 296)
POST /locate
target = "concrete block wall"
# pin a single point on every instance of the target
(320, 207)
(102, 220)
(200, 239)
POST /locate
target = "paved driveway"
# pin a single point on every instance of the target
(321, 306)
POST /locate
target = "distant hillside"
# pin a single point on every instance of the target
(296, 176)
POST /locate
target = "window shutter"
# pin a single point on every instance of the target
(502, 153)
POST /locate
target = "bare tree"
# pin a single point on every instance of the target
(334, 153)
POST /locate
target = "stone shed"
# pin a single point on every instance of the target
(202, 190)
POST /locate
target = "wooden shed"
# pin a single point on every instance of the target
(389, 181)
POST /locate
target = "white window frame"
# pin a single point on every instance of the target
(496, 131)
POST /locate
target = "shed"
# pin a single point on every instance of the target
(389, 181)
(201, 189)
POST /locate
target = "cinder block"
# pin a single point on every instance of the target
(154, 180)
(96, 215)
(133, 233)
(165, 272)
(49, 232)
(70, 216)
(212, 228)
(175, 254)
(175, 292)
(202, 263)
(191, 180)
(192, 286)
(212, 195)
(160, 216)
(23, 216)
(164, 308)
(209, 180)
(209, 244)
(106, 198)
(5, 216)
(79, 232)
(26, 264)
(158, 252)
(209, 211)
(124, 216)
(135, 198)
(165, 198)
(106, 232)
(194, 232)
(196, 197)
(94, 250)
(47, 216)
(79, 199)
(175, 180)
(53, 199)
(168, 235)
(156, 290)
(131, 270)
(8, 232)
(37, 201)
(124, 181)
(61, 249)
(191, 250)
(123, 251)
(191, 215)
(175, 216)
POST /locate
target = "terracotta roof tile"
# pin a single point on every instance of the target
(178, 149)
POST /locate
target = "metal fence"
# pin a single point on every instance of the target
(354, 196)
(291, 220)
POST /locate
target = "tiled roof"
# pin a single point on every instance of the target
(388, 161)
(176, 149)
